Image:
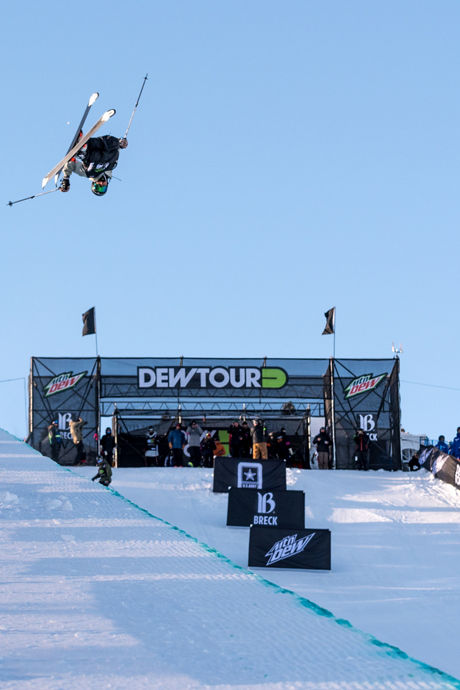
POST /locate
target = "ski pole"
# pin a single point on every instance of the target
(10, 203)
(134, 109)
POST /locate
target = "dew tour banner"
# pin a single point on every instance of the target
(248, 474)
(268, 508)
(270, 547)
(349, 394)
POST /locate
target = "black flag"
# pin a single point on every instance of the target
(330, 322)
(89, 321)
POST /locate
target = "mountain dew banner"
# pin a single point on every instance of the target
(364, 394)
(62, 389)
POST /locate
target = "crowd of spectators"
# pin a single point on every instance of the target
(194, 446)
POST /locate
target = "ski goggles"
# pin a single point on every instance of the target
(100, 187)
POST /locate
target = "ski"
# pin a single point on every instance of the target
(92, 99)
(80, 143)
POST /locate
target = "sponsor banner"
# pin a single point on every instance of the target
(248, 474)
(270, 547)
(425, 457)
(211, 377)
(266, 508)
(444, 467)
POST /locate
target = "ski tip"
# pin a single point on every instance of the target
(108, 114)
(93, 98)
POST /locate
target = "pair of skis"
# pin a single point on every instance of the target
(78, 141)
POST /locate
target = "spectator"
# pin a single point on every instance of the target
(151, 452)
(194, 433)
(414, 462)
(282, 444)
(454, 448)
(177, 441)
(323, 443)
(361, 440)
(76, 431)
(104, 472)
(442, 445)
(163, 449)
(108, 445)
(259, 440)
(235, 439)
(245, 443)
(208, 447)
(55, 440)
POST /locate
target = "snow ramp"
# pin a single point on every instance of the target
(99, 593)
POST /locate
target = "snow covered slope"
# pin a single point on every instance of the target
(98, 593)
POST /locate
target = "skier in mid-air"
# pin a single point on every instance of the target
(95, 160)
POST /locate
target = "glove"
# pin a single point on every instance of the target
(65, 184)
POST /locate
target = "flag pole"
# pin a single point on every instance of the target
(95, 333)
(334, 453)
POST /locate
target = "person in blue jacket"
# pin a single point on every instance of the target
(177, 441)
(454, 448)
(442, 445)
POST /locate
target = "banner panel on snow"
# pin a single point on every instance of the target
(270, 547)
(272, 508)
(248, 474)
(443, 466)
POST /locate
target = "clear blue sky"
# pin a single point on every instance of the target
(285, 158)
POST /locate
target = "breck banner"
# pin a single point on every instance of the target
(248, 474)
(266, 508)
(282, 548)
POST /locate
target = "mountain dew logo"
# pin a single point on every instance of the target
(63, 382)
(363, 384)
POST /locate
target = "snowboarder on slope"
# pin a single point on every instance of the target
(95, 160)
(104, 472)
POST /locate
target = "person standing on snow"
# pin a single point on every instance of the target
(361, 440)
(454, 448)
(55, 440)
(96, 160)
(323, 443)
(194, 433)
(177, 441)
(442, 445)
(259, 440)
(76, 431)
(108, 444)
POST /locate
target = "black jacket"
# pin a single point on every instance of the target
(101, 155)
(322, 441)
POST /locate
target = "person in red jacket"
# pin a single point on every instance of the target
(361, 440)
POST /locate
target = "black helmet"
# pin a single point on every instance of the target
(100, 186)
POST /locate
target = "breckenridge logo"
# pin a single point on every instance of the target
(211, 377)
(63, 382)
(363, 384)
(287, 547)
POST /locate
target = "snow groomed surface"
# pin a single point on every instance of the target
(99, 592)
